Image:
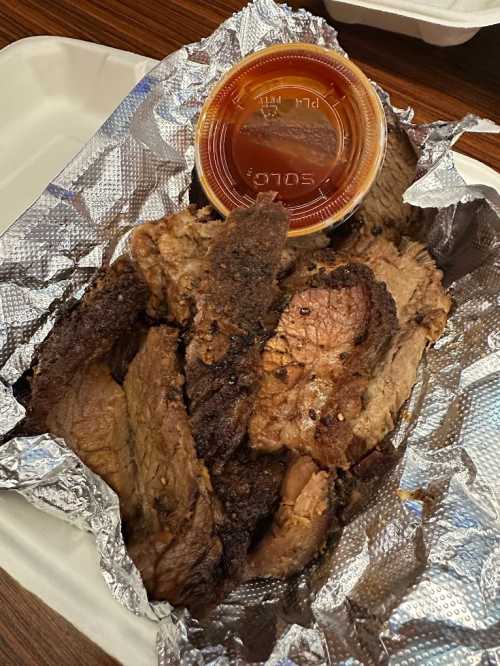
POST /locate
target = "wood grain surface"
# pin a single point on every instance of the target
(31, 633)
(439, 83)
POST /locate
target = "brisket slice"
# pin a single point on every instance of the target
(173, 540)
(383, 207)
(220, 270)
(223, 355)
(422, 307)
(107, 311)
(314, 505)
(249, 488)
(300, 526)
(330, 339)
(172, 257)
(91, 416)
(137, 438)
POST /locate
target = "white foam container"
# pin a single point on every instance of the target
(61, 91)
(439, 22)
(56, 94)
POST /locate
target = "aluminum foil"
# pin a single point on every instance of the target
(415, 578)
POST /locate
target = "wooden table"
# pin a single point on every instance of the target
(440, 83)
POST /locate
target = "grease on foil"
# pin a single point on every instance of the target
(415, 577)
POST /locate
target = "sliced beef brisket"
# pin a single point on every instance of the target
(173, 540)
(109, 310)
(223, 355)
(329, 341)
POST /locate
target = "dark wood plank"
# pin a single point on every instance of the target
(440, 83)
(31, 634)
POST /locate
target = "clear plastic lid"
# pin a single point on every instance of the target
(296, 119)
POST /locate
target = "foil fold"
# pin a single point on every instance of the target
(414, 578)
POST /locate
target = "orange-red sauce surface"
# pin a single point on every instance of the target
(295, 123)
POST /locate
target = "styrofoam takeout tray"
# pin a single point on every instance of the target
(440, 22)
(56, 94)
(60, 91)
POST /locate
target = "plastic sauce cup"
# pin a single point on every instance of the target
(297, 119)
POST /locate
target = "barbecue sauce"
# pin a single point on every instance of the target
(298, 120)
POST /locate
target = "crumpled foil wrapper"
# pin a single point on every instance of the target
(415, 578)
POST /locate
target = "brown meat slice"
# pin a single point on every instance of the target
(175, 256)
(422, 307)
(92, 418)
(300, 526)
(249, 488)
(332, 335)
(108, 309)
(407, 269)
(413, 279)
(383, 207)
(223, 356)
(173, 541)
(172, 257)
